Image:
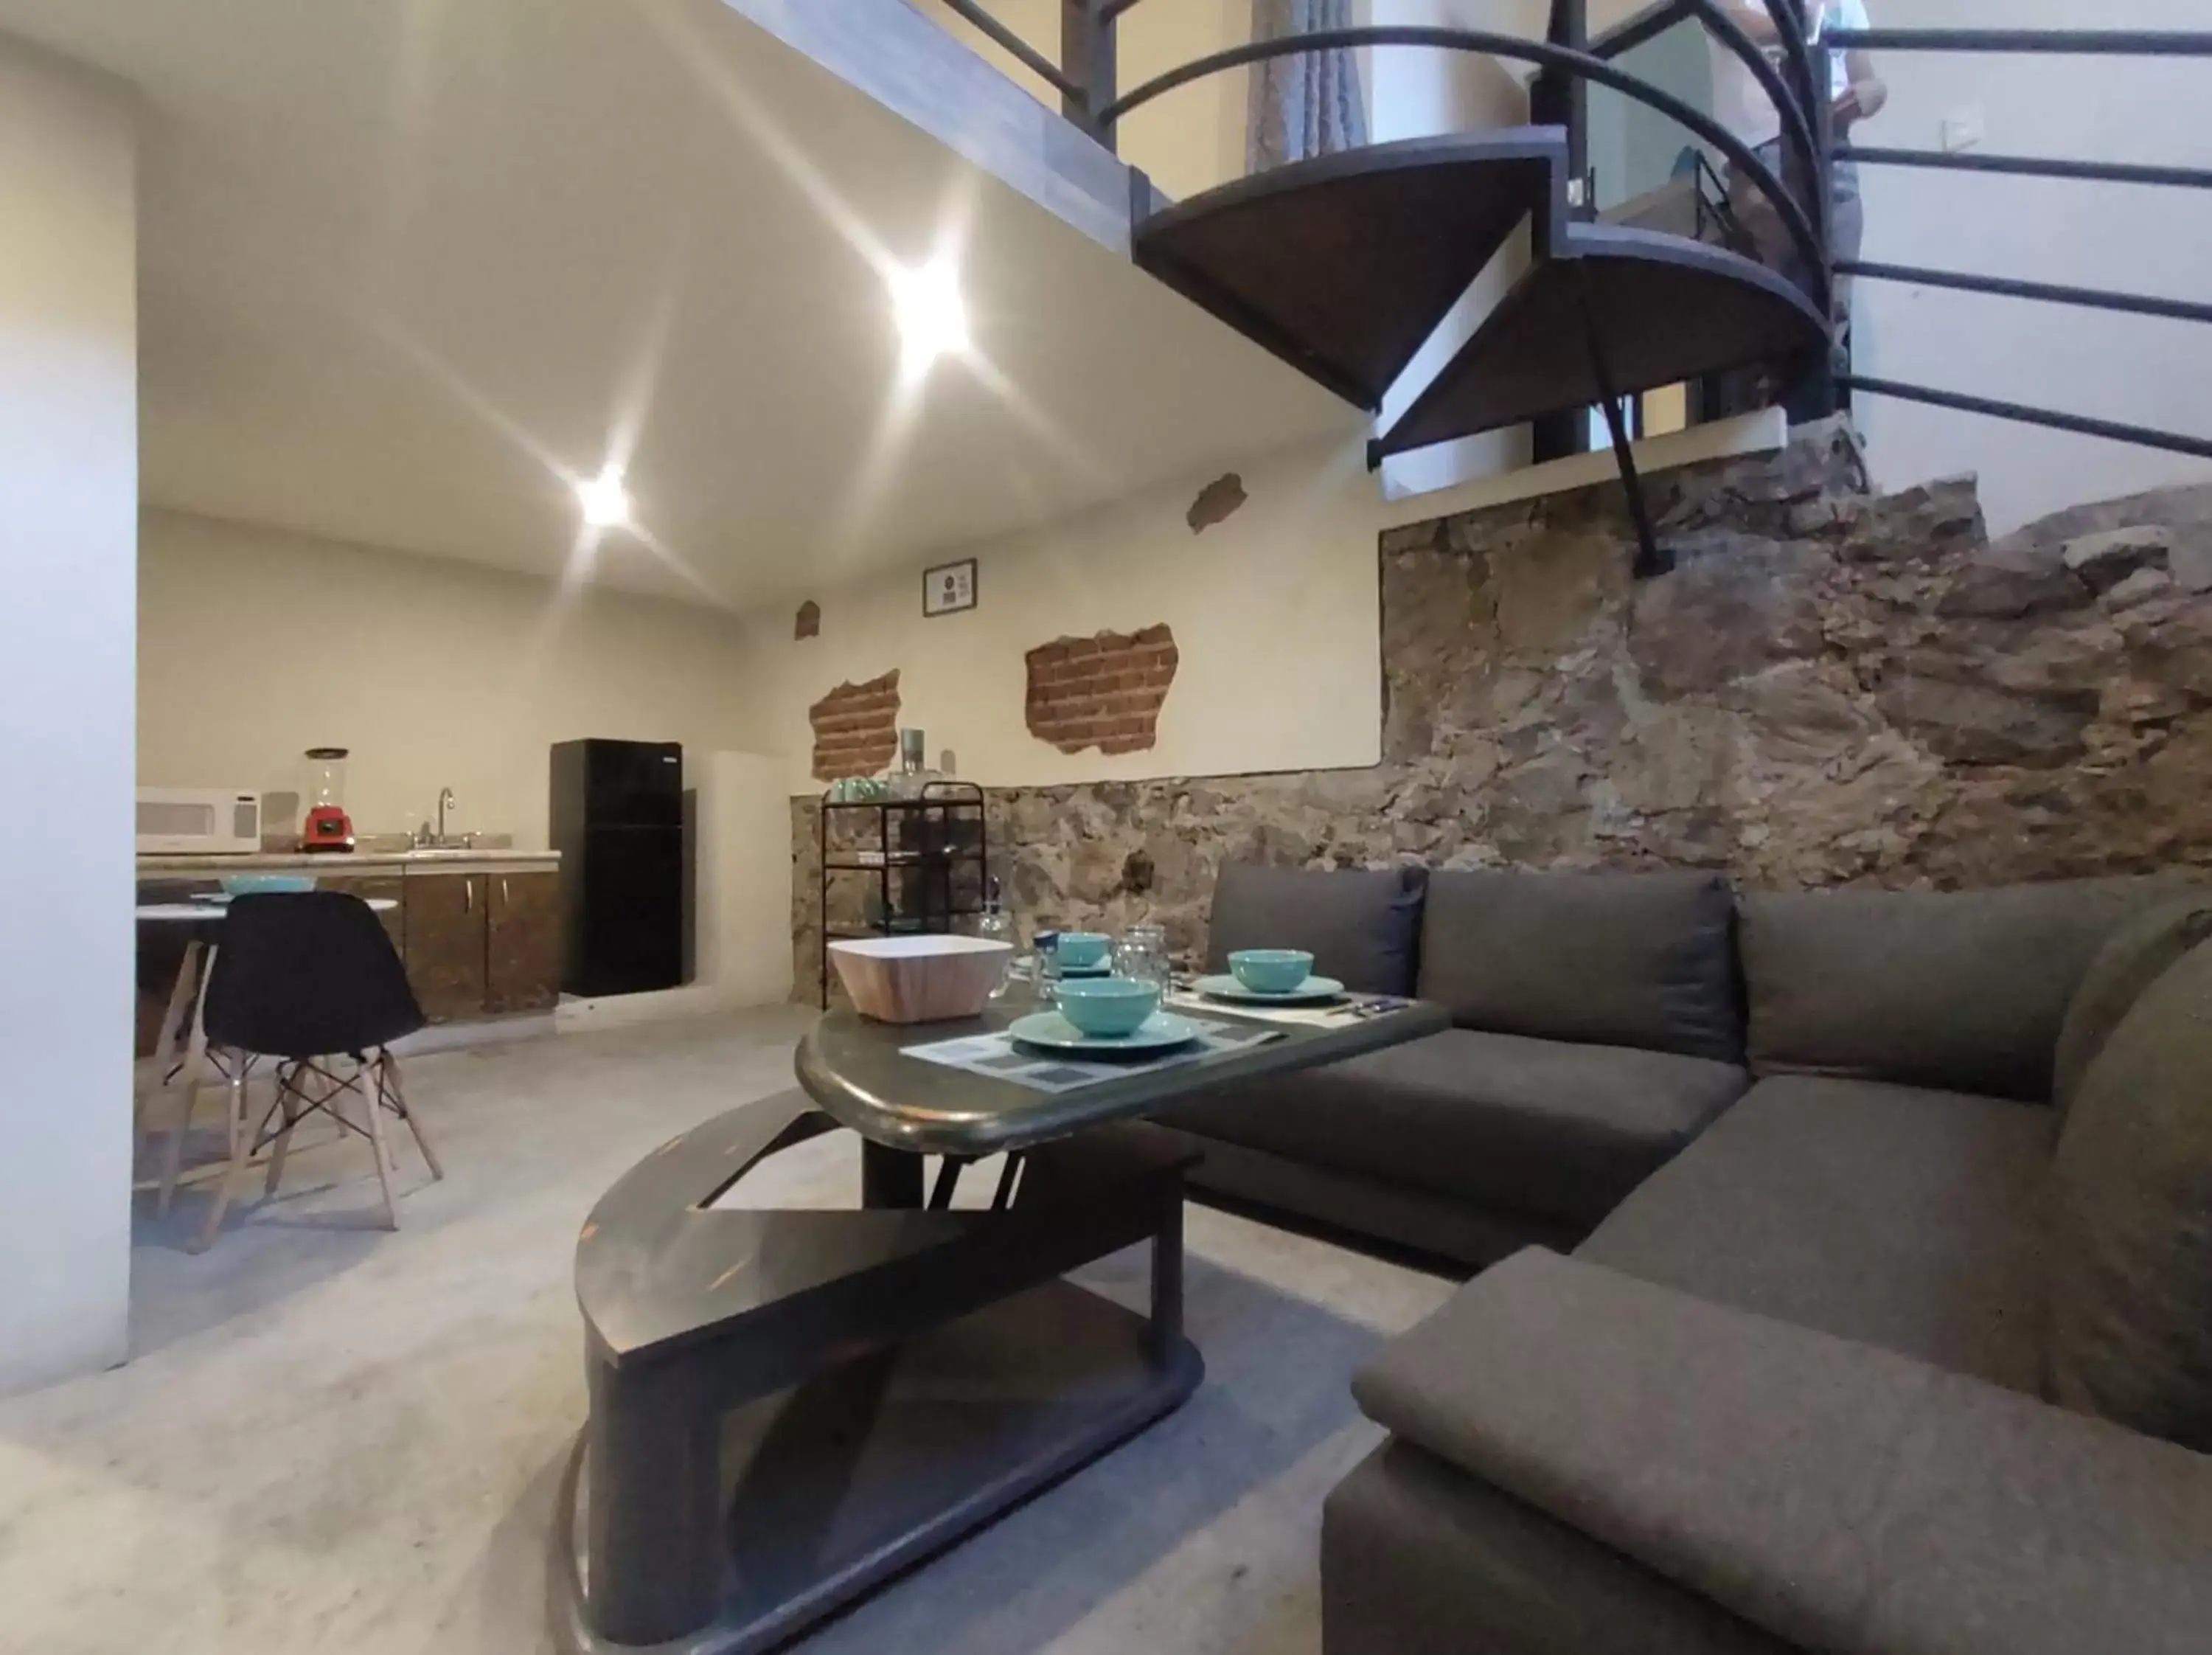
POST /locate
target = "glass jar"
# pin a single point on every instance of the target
(995, 924)
(1142, 954)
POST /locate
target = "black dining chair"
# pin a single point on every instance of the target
(310, 979)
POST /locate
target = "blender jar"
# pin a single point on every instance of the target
(326, 826)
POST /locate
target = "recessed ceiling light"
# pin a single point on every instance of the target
(931, 318)
(604, 501)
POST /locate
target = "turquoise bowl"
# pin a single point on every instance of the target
(1271, 970)
(1108, 1005)
(1082, 949)
(265, 885)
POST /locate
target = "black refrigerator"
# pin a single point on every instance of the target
(617, 818)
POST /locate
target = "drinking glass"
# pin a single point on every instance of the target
(1142, 954)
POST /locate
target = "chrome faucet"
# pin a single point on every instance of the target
(446, 801)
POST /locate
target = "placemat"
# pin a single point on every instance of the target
(1337, 1014)
(999, 1057)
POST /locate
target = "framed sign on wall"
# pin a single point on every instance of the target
(948, 588)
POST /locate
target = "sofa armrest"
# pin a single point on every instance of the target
(1843, 1497)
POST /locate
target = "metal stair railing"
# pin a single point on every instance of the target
(2133, 43)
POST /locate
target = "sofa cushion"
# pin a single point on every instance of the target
(1965, 989)
(1418, 1558)
(1624, 960)
(2133, 957)
(1361, 925)
(1533, 1126)
(2131, 1272)
(1842, 1497)
(1907, 1219)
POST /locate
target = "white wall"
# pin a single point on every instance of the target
(744, 878)
(1417, 93)
(255, 645)
(1276, 615)
(1274, 612)
(2154, 241)
(69, 488)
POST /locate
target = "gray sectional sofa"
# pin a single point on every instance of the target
(1886, 1322)
(1599, 1031)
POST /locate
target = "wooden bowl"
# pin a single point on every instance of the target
(921, 979)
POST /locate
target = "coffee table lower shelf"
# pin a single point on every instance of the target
(865, 1469)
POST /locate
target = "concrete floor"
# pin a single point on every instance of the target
(334, 1439)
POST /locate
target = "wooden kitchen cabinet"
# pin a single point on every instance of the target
(523, 942)
(445, 925)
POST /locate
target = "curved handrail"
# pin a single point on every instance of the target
(1513, 47)
(1796, 118)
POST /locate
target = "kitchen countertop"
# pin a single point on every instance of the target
(159, 865)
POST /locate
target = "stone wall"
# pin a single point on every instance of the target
(1829, 688)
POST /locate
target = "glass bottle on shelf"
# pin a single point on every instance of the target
(995, 924)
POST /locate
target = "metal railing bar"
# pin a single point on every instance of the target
(2142, 436)
(2049, 293)
(1012, 43)
(1513, 48)
(2057, 42)
(1631, 33)
(2103, 172)
(1788, 104)
(1110, 10)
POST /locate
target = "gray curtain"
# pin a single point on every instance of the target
(1304, 105)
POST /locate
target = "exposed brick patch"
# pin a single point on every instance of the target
(855, 727)
(1104, 691)
(1217, 501)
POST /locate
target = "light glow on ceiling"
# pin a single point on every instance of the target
(932, 321)
(604, 501)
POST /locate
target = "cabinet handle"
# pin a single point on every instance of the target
(502, 891)
(468, 896)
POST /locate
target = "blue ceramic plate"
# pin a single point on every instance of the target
(1312, 991)
(1054, 1033)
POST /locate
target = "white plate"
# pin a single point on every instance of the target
(1055, 1033)
(1312, 991)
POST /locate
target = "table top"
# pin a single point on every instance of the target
(853, 1068)
(202, 913)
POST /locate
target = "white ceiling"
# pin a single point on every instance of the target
(410, 266)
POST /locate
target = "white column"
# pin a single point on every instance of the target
(69, 613)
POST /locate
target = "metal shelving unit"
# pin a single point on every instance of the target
(933, 847)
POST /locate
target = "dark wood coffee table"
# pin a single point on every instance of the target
(788, 1407)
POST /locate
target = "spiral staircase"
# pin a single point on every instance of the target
(1345, 265)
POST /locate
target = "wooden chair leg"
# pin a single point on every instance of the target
(224, 1190)
(182, 1000)
(287, 1100)
(234, 1102)
(389, 1086)
(365, 1075)
(187, 1090)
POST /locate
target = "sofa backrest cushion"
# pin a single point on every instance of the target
(1617, 959)
(2130, 1328)
(2133, 957)
(1964, 990)
(1362, 926)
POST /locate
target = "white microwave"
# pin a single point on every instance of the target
(198, 821)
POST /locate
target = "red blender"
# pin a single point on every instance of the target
(326, 827)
